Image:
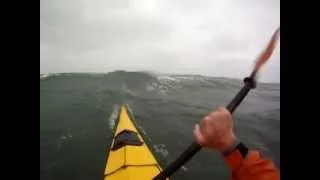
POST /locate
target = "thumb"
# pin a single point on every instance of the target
(198, 136)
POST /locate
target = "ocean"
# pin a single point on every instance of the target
(77, 113)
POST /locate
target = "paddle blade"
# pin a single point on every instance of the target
(266, 53)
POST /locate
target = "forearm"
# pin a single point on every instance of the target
(248, 164)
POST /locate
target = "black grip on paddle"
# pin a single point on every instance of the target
(195, 147)
(249, 84)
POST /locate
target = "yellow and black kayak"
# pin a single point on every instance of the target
(129, 156)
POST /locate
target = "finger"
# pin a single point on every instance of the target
(223, 112)
(204, 122)
(213, 114)
(221, 109)
(198, 136)
(206, 125)
(226, 113)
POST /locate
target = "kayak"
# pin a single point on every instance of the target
(129, 156)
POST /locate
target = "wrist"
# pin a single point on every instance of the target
(236, 156)
(238, 146)
(229, 143)
(230, 147)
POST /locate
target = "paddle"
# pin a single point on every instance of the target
(249, 83)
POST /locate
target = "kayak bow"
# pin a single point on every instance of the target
(129, 156)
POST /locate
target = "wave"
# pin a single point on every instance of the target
(44, 76)
(136, 83)
(113, 116)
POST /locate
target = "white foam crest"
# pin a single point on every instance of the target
(166, 82)
(190, 78)
(44, 76)
(150, 87)
(161, 149)
(166, 78)
(113, 116)
(66, 136)
(184, 168)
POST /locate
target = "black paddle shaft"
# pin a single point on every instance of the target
(195, 147)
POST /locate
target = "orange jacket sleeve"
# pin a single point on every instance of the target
(252, 167)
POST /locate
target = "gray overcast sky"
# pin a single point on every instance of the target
(209, 37)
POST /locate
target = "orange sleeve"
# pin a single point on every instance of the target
(253, 167)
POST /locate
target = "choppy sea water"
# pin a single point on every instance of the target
(77, 113)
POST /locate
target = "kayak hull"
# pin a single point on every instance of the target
(129, 157)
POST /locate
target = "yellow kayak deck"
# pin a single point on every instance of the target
(129, 157)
